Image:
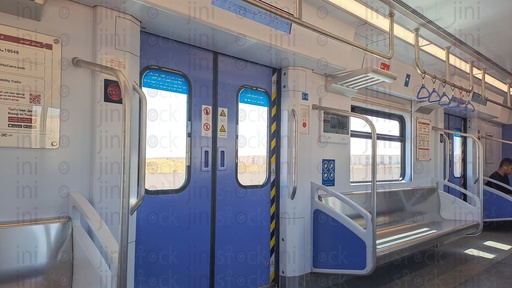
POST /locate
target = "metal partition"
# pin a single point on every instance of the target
(126, 158)
(373, 200)
(479, 166)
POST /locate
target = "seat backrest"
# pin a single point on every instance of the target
(36, 254)
(398, 207)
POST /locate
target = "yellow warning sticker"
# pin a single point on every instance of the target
(223, 123)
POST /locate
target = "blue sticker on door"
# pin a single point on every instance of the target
(328, 172)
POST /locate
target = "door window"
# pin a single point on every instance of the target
(167, 142)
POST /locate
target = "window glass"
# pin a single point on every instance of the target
(390, 130)
(166, 143)
(457, 154)
(253, 137)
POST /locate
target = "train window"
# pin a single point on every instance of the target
(167, 140)
(390, 146)
(253, 136)
(457, 154)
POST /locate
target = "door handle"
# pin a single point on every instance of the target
(221, 159)
(206, 159)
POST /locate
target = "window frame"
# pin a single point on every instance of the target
(268, 150)
(189, 139)
(401, 138)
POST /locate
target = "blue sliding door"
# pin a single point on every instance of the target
(206, 220)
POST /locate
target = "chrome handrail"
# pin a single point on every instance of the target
(480, 165)
(295, 155)
(373, 163)
(142, 148)
(498, 182)
(497, 140)
(125, 167)
(446, 157)
(493, 101)
(422, 70)
(298, 21)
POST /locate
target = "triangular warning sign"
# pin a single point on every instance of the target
(222, 128)
(223, 114)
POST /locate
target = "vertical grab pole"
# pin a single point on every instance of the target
(446, 156)
(479, 166)
(142, 148)
(125, 167)
(373, 170)
(295, 154)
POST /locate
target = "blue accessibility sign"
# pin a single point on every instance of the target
(328, 172)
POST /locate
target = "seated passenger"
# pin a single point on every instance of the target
(501, 175)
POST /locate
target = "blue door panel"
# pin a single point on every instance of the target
(452, 122)
(173, 231)
(243, 217)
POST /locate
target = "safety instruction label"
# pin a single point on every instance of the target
(206, 121)
(223, 123)
(423, 129)
(328, 172)
(30, 73)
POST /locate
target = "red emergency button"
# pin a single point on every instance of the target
(304, 124)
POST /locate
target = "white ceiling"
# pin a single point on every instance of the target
(485, 26)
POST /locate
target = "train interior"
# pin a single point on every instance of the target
(247, 143)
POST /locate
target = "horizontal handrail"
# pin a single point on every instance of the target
(498, 182)
(78, 203)
(345, 200)
(493, 101)
(298, 21)
(497, 140)
(434, 77)
(462, 190)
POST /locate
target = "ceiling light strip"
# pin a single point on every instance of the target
(376, 19)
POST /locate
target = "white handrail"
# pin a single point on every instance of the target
(295, 154)
(373, 166)
(499, 183)
(480, 164)
(298, 21)
(126, 160)
(446, 157)
(142, 148)
(78, 204)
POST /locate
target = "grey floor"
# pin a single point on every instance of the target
(448, 266)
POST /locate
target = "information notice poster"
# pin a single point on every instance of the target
(30, 79)
(423, 129)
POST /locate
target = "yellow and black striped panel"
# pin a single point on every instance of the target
(273, 186)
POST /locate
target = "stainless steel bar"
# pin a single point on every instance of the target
(125, 167)
(142, 148)
(490, 100)
(373, 169)
(507, 97)
(299, 9)
(498, 183)
(447, 62)
(316, 29)
(295, 154)
(480, 166)
(446, 157)
(421, 70)
(497, 140)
